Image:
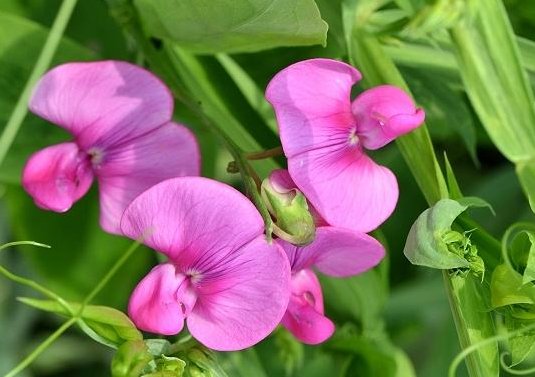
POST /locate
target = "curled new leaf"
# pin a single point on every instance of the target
(103, 324)
(432, 243)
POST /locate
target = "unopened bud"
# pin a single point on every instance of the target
(289, 207)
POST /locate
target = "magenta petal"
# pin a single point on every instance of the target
(102, 103)
(346, 187)
(126, 171)
(154, 305)
(304, 317)
(336, 252)
(312, 104)
(243, 299)
(57, 176)
(198, 215)
(384, 113)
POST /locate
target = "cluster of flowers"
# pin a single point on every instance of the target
(223, 277)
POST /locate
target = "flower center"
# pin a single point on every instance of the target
(186, 295)
(353, 138)
(96, 155)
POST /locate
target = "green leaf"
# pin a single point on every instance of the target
(211, 26)
(520, 345)
(507, 288)
(432, 243)
(130, 359)
(103, 324)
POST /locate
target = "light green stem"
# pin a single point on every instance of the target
(43, 346)
(43, 62)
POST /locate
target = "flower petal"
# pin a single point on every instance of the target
(312, 104)
(346, 187)
(304, 317)
(102, 103)
(243, 298)
(205, 218)
(57, 176)
(126, 171)
(336, 252)
(384, 113)
(153, 305)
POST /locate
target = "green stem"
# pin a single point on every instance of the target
(105, 280)
(43, 346)
(43, 62)
(277, 151)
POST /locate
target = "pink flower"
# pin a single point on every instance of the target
(335, 252)
(222, 277)
(120, 118)
(324, 136)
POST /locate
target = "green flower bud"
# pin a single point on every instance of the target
(289, 208)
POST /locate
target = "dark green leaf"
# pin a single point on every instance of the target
(211, 26)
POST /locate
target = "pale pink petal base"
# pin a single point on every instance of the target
(304, 317)
(336, 252)
(345, 186)
(241, 302)
(154, 306)
(128, 170)
(57, 176)
(384, 113)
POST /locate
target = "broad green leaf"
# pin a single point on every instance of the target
(104, 324)
(130, 359)
(432, 243)
(497, 84)
(16, 64)
(211, 26)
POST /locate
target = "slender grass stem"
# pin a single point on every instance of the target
(43, 62)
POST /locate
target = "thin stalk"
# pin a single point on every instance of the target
(277, 151)
(43, 346)
(43, 62)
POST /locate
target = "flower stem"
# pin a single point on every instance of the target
(43, 346)
(277, 151)
(43, 61)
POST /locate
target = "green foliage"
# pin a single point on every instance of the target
(247, 25)
(432, 243)
(104, 324)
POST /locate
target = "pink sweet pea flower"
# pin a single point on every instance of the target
(324, 136)
(222, 277)
(336, 252)
(120, 118)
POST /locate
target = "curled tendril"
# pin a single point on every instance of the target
(474, 347)
(509, 369)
